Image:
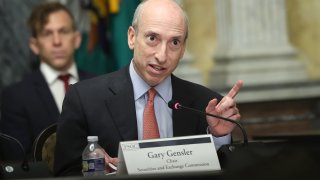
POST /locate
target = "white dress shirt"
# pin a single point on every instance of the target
(56, 86)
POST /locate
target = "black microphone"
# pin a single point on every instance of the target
(175, 105)
(24, 164)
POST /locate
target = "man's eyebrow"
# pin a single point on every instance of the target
(151, 32)
(178, 37)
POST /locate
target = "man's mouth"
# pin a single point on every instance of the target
(59, 55)
(157, 68)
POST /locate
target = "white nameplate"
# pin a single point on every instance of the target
(180, 154)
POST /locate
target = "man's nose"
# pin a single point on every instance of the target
(56, 39)
(161, 54)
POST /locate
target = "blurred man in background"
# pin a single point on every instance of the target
(33, 104)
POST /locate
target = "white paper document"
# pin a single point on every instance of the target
(179, 154)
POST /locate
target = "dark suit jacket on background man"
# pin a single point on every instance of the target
(30, 107)
(35, 103)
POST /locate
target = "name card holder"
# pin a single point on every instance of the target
(166, 155)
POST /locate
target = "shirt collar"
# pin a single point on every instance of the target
(140, 87)
(51, 74)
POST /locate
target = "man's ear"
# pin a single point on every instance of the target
(131, 37)
(33, 44)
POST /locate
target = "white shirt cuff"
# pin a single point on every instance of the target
(219, 141)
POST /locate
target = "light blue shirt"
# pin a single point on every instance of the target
(163, 112)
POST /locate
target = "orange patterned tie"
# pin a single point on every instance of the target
(150, 125)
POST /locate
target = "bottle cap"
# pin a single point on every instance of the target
(92, 138)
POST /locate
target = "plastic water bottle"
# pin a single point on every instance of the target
(93, 163)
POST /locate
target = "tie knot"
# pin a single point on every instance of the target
(64, 78)
(151, 93)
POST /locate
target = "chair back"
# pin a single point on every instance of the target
(44, 146)
(19, 168)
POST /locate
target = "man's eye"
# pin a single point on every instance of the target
(66, 31)
(152, 38)
(175, 42)
(45, 33)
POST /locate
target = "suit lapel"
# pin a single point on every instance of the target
(182, 119)
(45, 95)
(120, 104)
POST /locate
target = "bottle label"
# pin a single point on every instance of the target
(93, 165)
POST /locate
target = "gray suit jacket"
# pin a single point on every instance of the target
(105, 107)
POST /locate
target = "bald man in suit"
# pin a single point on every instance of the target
(112, 106)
